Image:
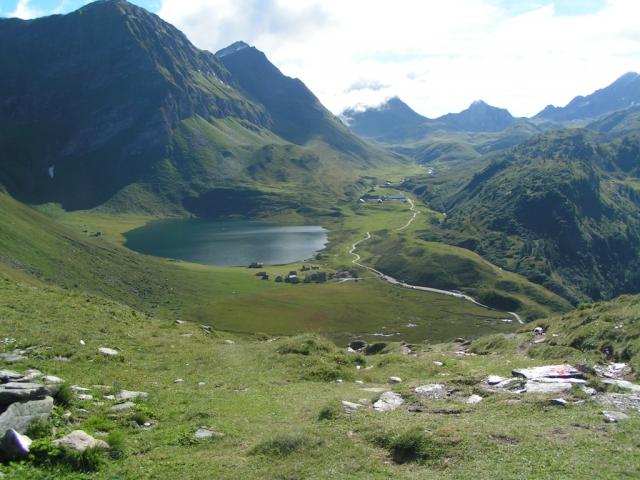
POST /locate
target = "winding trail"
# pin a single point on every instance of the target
(395, 281)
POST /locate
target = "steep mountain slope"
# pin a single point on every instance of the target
(479, 117)
(393, 121)
(620, 95)
(619, 122)
(112, 104)
(560, 209)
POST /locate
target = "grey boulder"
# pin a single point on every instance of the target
(14, 445)
(20, 415)
(79, 440)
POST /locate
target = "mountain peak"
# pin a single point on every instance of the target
(233, 48)
(623, 93)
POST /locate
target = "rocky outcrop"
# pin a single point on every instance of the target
(20, 415)
(80, 441)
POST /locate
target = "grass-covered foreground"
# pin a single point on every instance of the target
(277, 402)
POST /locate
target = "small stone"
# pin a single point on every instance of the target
(394, 380)
(373, 389)
(204, 433)
(350, 407)
(108, 352)
(474, 399)
(109, 397)
(130, 395)
(359, 382)
(80, 441)
(229, 342)
(12, 357)
(201, 384)
(79, 389)
(438, 364)
(494, 379)
(388, 401)
(614, 417)
(52, 379)
(84, 397)
(558, 401)
(123, 406)
(178, 380)
(434, 391)
(589, 390)
(14, 445)
(339, 380)
(180, 322)
(538, 330)
(82, 342)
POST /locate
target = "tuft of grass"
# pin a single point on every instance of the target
(117, 444)
(306, 345)
(64, 397)
(44, 452)
(494, 344)
(411, 446)
(332, 411)
(284, 445)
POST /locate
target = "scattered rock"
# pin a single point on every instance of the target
(614, 417)
(178, 380)
(339, 380)
(14, 445)
(434, 391)
(589, 390)
(20, 415)
(201, 384)
(474, 399)
(358, 345)
(78, 389)
(394, 380)
(538, 331)
(20, 392)
(9, 376)
(12, 357)
(52, 379)
(82, 342)
(494, 379)
(351, 408)
(204, 433)
(123, 406)
(405, 350)
(550, 371)
(438, 364)
(548, 388)
(623, 384)
(229, 342)
(620, 401)
(108, 352)
(613, 370)
(388, 401)
(130, 395)
(80, 441)
(558, 401)
(84, 397)
(373, 389)
(180, 322)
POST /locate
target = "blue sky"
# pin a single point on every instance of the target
(47, 7)
(437, 55)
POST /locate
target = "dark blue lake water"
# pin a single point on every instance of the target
(227, 242)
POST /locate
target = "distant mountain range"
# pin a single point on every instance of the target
(110, 105)
(395, 122)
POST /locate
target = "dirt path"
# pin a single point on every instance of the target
(395, 281)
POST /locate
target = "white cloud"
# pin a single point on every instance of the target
(436, 55)
(25, 11)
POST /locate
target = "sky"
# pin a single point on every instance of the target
(437, 55)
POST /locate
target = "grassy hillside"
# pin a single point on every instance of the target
(280, 411)
(560, 209)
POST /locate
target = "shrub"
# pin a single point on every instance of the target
(39, 430)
